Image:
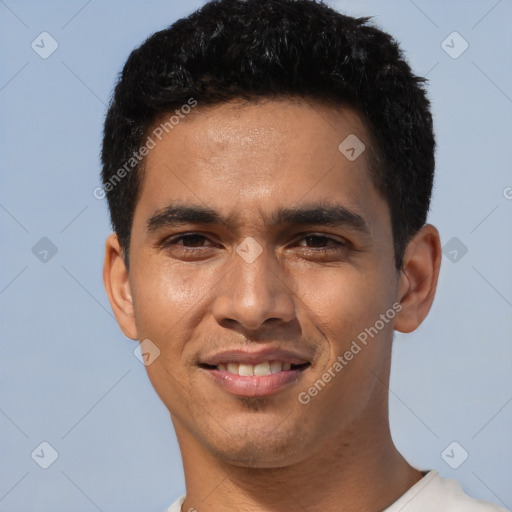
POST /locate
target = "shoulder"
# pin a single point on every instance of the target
(442, 494)
(457, 499)
(176, 506)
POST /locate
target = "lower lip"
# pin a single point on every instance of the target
(248, 386)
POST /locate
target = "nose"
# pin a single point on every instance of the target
(253, 292)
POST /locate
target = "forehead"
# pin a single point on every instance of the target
(244, 159)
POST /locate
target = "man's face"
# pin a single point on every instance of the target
(275, 279)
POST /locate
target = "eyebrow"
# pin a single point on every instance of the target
(325, 214)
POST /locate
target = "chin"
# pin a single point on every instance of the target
(258, 455)
(265, 445)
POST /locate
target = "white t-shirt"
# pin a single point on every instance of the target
(432, 493)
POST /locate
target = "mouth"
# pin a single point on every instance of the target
(262, 369)
(255, 375)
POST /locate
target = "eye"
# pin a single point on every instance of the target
(322, 243)
(188, 241)
(191, 240)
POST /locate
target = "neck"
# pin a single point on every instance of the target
(358, 469)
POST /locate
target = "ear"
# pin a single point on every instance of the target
(418, 278)
(117, 286)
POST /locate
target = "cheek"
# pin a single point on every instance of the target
(166, 299)
(164, 295)
(344, 300)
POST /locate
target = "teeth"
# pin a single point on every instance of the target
(262, 369)
(232, 367)
(276, 366)
(258, 370)
(246, 369)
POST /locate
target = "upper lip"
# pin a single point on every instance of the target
(256, 356)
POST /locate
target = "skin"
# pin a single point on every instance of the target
(272, 453)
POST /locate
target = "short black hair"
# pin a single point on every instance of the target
(263, 49)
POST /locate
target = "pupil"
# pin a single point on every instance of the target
(192, 239)
(319, 240)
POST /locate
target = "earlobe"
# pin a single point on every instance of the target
(418, 278)
(117, 286)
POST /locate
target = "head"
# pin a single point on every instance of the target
(268, 167)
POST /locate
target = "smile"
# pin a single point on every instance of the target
(255, 380)
(258, 370)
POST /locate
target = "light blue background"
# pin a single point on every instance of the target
(69, 377)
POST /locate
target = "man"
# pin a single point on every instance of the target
(268, 167)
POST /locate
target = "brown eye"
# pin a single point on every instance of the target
(186, 241)
(321, 242)
(191, 240)
(317, 241)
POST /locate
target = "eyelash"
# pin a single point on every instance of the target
(338, 244)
